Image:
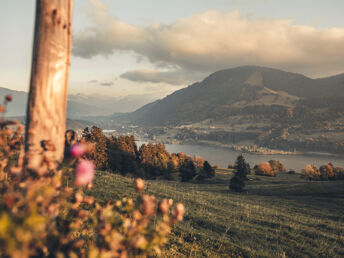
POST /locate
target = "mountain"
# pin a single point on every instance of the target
(252, 105)
(111, 105)
(70, 124)
(80, 105)
(228, 90)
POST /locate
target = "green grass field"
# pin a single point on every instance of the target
(274, 217)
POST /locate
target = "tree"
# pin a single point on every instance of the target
(46, 112)
(100, 153)
(187, 170)
(264, 169)
(311, 172)
(208, 170)
(327, 172)
(242, 169)
(277, 166)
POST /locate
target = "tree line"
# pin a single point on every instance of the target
(122, 155)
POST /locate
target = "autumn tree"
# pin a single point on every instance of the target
(311, 172)
(264, 169)
(99, 155)
(277, 166)
(327, 172)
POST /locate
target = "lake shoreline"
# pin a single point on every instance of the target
(239, 148)
(222, 156)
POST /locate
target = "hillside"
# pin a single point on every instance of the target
(253, 105)
(279, 215)
(235, 88)
(70, 123)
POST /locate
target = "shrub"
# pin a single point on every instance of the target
(264, 169)
(311, 172)
(327, 172)
(42, 217)
(187, 170)
(339, 173)
(277, 166)
(236, 184)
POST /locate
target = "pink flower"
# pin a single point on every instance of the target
(78, 150)
(84, 172)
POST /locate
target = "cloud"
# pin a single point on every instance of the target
(103, 83)
(215, 40)
(107, 84)
(155, 76)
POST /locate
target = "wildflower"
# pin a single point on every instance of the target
(148, 205)
(179, 212)
(9, 98)
(164, 206)
(140, 184)
(84, 172)
(78, 150)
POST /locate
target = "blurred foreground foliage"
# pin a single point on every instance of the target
(41, 216)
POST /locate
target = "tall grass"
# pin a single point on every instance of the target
(275, 217)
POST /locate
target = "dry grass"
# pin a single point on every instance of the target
(275, 216)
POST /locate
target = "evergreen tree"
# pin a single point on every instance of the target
(242, 169)
(208, 170)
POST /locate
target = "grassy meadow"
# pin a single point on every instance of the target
(283, 216)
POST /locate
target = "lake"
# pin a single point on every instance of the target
(223, 156)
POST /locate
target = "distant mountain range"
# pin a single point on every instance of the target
(81, 105)
(254, 105)
(70, 123)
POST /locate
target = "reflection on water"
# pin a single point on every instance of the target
(222, 156)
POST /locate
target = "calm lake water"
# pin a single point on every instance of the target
(223, 156)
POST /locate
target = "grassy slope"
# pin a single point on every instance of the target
(285, 214)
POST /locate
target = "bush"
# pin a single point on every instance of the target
(339, 173)
(277, 166)
(310, 172)
(327, 172)
(42, 217)
(236, 184)
(187, 170)
(264, 169)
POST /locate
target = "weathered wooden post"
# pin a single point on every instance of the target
(46, 111)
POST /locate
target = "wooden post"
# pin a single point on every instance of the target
(46, 111)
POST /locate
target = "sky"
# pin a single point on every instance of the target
(154, 47)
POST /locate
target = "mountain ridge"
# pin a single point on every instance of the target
(225, 87)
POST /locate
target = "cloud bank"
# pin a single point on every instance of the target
(213, 40)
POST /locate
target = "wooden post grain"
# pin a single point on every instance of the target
(46, 111)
